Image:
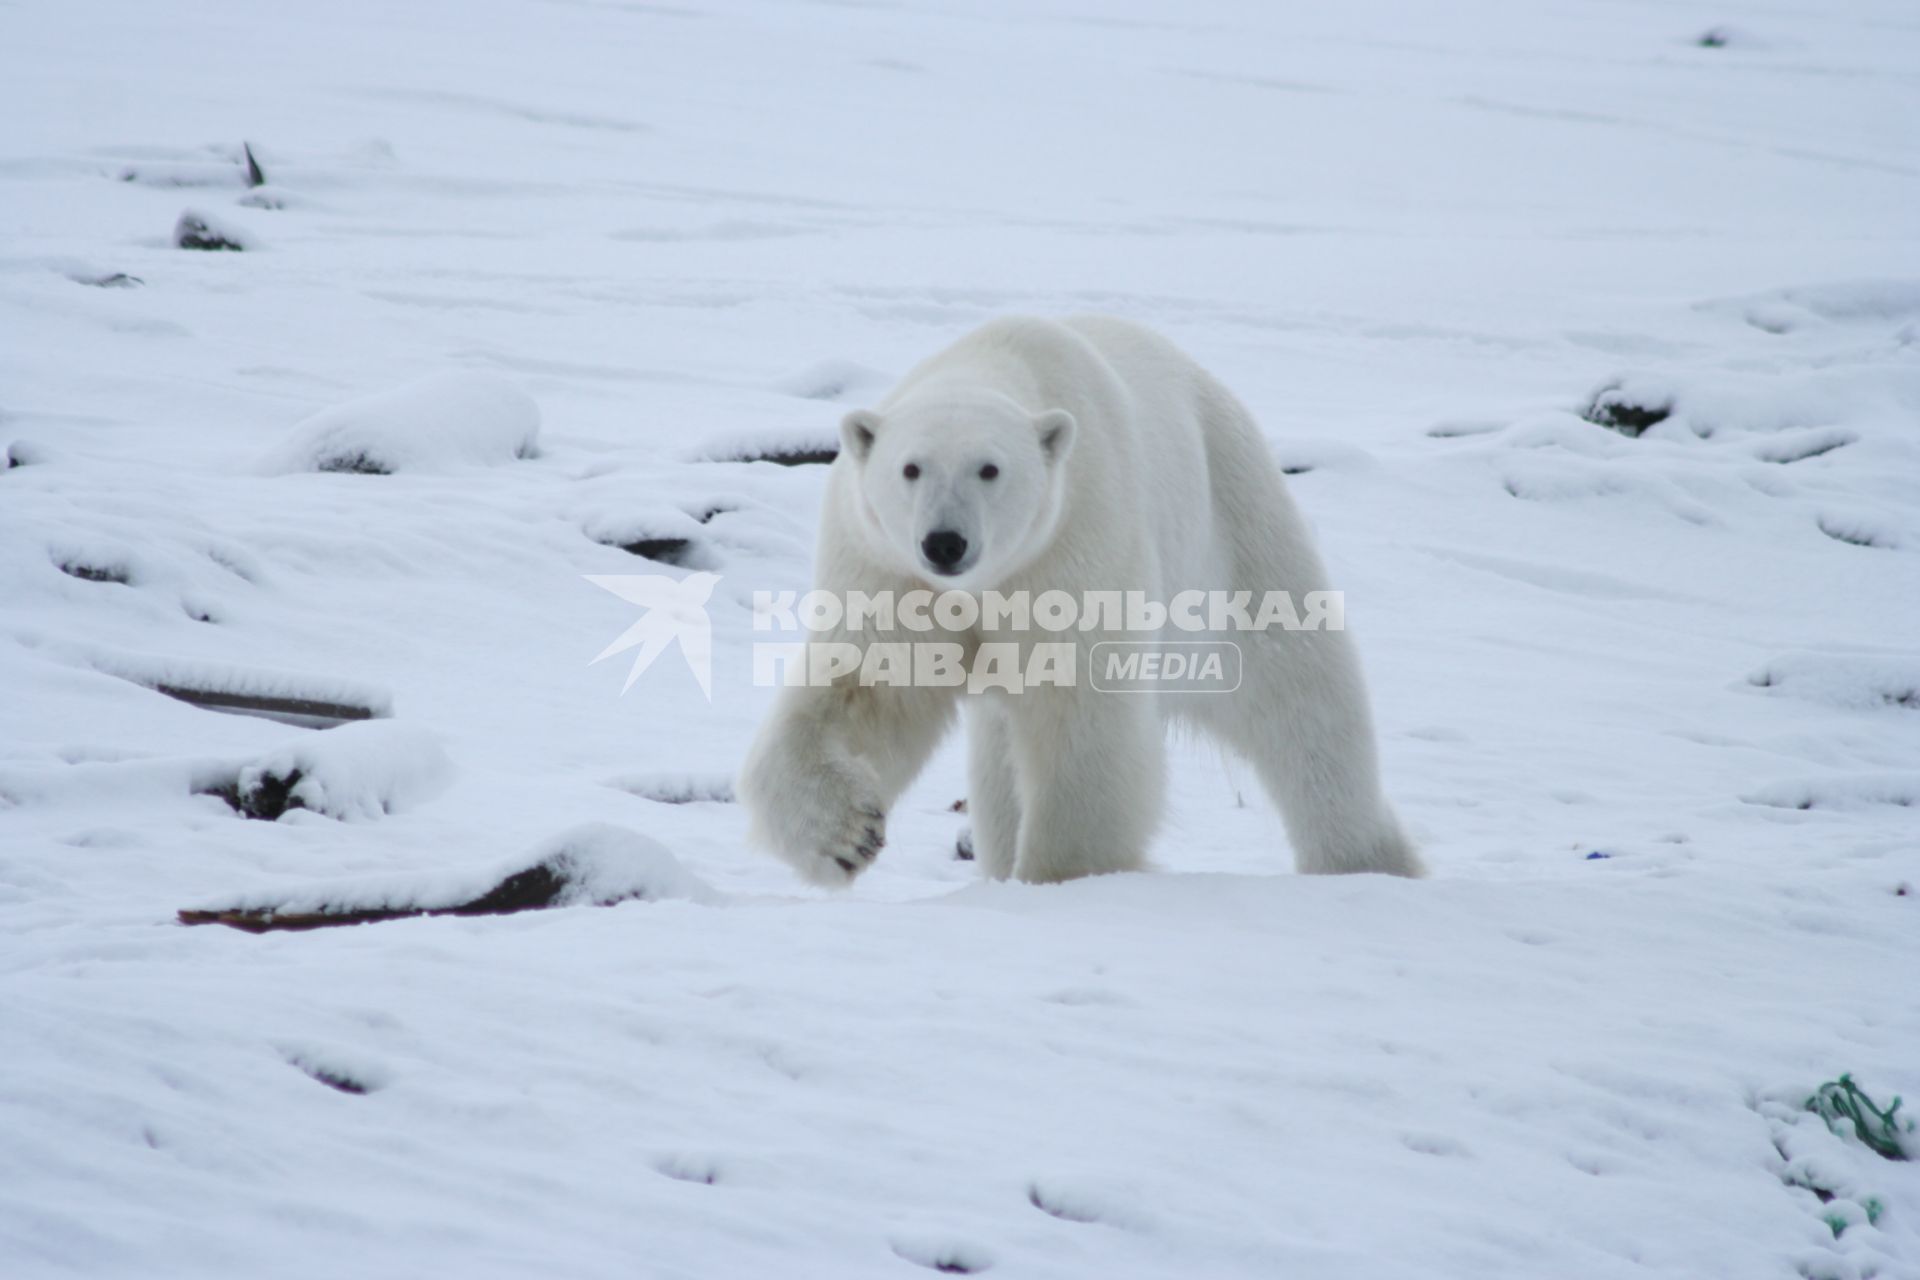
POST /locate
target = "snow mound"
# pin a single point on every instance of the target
(1703, 406)
(1859, 529)
(655, 532)
(293, 697)
(677, 788)
(604, 864)
(1088, 1198)
(596, 864)
(343, 1070)
(1844, 679)
(356, 772)
(197, 229)
(20, 453)
(1297, 457)
(1836, 1181)
(816, 443)
(948, 1254)
(835, 380)
(1846, 792)
(1726, 37)
(436, 423)
(1793, 446)
(1839, 302)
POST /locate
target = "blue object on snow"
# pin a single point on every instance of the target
(1596, 855)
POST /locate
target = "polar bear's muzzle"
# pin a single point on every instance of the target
(946, 552)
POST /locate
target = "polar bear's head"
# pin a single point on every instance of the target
(959, 491)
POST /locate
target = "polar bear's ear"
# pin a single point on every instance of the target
(1056, 427)
(857, 430)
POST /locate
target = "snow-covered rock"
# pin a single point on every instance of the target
(596, 864)
(355, 772)
(197, 229)
(433, 424)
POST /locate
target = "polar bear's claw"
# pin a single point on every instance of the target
(842, 846)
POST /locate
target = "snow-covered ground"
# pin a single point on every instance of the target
(1652, 704)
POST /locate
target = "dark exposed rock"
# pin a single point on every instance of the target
(110, 280)
(304, 712)
(1613, 409)
(95, 572)
(664, 550)
(539, 886)
(194, 232)
(353, 464)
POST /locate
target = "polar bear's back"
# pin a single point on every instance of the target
(1162, 391)
(1078, 357)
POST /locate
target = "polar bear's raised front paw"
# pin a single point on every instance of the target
(837, 845)
(829, 824)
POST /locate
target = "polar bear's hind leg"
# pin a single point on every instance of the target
(1301, 715)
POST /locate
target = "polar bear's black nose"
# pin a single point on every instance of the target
(943, 549)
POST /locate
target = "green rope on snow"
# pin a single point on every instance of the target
(1842, 1099)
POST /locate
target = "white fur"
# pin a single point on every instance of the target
(1122, 465)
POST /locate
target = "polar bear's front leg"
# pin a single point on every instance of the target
(828, 763)
(1091, 768)
(993, 795)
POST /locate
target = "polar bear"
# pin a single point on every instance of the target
(1070, 455)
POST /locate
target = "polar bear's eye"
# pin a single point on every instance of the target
(911, 471)
(989, 471)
